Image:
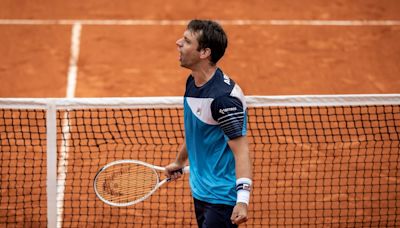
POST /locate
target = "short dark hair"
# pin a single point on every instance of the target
(211, 35)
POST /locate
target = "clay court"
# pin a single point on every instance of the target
(97, 49)
(141, 60)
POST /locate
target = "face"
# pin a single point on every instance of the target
(189, 56)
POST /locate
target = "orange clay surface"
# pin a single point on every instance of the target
(142, 60)
(126, 61)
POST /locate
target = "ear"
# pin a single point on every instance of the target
(205, 53)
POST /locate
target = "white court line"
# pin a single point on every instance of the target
(64, 147)
(73, 61)
(277, 22)
(62, 168)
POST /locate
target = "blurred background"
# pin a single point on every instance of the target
(127, 48)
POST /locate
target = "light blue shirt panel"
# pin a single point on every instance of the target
(212, 176)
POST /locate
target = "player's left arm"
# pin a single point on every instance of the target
(230, 114)
(240, 149)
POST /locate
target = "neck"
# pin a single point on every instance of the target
(203, 75)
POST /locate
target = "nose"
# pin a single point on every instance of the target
(179, 42)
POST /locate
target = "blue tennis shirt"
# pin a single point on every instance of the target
(213, 114)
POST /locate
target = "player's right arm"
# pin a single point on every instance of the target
(179, 163)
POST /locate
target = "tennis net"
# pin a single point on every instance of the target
(318, 161)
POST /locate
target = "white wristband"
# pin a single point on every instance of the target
(243, 188)
(243, 196)
(244, 180)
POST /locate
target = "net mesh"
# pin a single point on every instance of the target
(313, 166)
(23, 199)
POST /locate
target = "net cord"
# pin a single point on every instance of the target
(175, 101)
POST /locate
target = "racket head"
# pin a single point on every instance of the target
(126, 182)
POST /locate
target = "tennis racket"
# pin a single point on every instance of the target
(127, 182)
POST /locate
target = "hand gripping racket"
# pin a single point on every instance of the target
(127, 182)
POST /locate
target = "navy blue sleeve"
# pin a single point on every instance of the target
(228, 112)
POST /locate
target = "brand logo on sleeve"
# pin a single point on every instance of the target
(225, 110)
(227, 80)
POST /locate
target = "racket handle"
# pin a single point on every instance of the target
(185, 169)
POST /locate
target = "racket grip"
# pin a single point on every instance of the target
(185, 169)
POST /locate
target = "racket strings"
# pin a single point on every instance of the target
(126, 182)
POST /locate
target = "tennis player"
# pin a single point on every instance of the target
(215, 131)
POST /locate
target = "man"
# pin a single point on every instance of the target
(215, 130)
